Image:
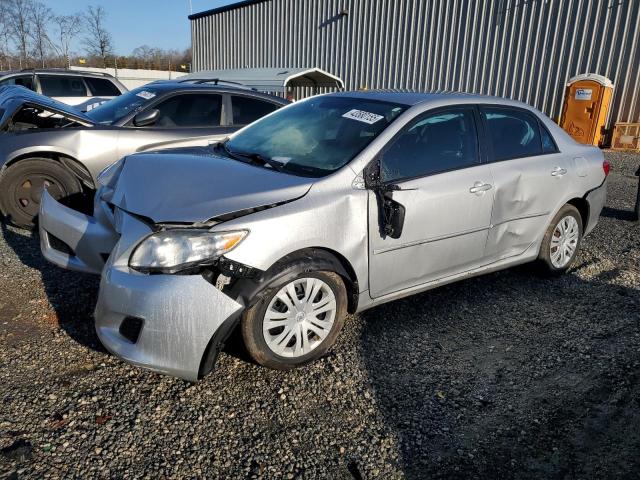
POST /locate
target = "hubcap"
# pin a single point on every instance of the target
(564, 241)
(28, 192)
(299, 317)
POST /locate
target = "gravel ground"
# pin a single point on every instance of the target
(504, 376)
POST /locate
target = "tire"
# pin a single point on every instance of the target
(21, 188)
(298, 321)
(566, 229)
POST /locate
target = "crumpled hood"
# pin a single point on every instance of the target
(195, 185)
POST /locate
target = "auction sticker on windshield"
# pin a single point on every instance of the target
(146, 95)
(362, 116)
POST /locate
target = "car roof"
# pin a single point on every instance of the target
(411, 98)
(57, 71)
(164, 86)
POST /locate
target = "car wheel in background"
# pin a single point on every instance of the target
(22, 184)
(561, 241)
(296, 320)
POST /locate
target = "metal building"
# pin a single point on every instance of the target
(525, 50)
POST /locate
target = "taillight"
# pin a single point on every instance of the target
(606, 166)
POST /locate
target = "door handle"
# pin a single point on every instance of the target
(558, 172)
(480, 187)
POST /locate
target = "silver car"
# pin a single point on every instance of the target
(47, 143)
(329, 206)
(82, 89)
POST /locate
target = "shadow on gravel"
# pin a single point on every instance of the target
(619, 214)
(511, 376)
(71, 294)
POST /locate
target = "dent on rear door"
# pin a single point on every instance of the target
(526, 193)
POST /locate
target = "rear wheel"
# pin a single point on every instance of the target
(296, 321)
(22, 184)
(561, 241)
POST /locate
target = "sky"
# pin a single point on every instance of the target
(157, 23)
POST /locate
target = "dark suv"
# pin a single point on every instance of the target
(47, 143)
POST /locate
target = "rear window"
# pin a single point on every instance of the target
(247, 110)
(548, 144)
(61, 86)
(23, 80)
(101, 87)
(513, 133)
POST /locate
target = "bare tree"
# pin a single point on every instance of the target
(145, 54)
(39, 17)
(19, 27)
(5, 36)
(98, 40)
(68, 27)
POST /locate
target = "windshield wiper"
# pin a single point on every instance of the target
(262, 160)
(254, 157)
(232, 155)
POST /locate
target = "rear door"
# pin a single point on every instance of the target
(186, 120)
(446, 191)
(530, 178)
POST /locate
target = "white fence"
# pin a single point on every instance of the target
(133, 78)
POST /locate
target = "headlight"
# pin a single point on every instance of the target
(174, 250)
(109, 175)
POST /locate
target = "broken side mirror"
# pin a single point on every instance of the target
(371, 174)
(146, 118)
(390, 212)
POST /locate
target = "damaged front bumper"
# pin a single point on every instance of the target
(171, 324)
(73, 240)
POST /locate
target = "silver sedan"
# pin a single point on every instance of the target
(328, 206)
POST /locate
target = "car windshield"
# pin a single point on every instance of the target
(117, 108)
(314, 137)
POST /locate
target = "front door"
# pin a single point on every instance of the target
(185, 120)
(447, 194)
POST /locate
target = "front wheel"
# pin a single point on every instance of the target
(296, 321)
(561, 241)
(22, 185)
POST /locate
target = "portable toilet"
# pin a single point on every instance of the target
(586, 106)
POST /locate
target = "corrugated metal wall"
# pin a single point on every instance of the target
(521, 49)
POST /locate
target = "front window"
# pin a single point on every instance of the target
(315, 137)
(434, 143)
(190, 110)
(115, 109)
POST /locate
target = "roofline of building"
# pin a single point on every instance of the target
(226, 8)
